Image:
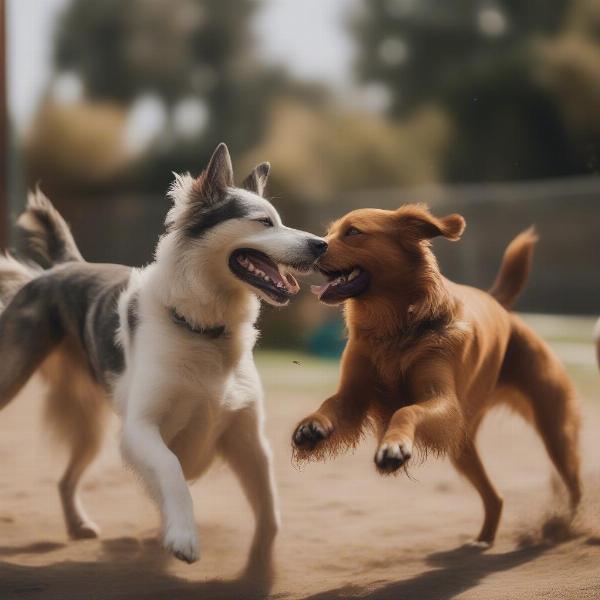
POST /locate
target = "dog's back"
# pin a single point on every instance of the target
(29, 324)
(56, 296)
(537, 384)
(58, 317)
(491, 325)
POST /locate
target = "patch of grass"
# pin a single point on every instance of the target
(562, 328)
(300, 372)
(586, 380)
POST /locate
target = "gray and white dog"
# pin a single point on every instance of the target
(169, 345)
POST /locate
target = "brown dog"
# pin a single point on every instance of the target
(426, 358)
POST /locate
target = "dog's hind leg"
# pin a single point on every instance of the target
(78, 410)
(247, 451)
(29, 330)
(531, 367)
(468, 463)
(79, 525)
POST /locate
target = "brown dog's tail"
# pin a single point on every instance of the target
(515, 268)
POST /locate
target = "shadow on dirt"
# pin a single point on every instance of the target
(133, 568)
(36, 548)
(454, 572)
(127, 568)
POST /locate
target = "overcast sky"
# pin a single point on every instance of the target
(307, 36)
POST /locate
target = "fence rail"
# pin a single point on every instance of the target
(566, 213)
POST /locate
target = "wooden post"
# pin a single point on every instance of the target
(4, 147)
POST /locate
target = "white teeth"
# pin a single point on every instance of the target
(345, 278)
(249, 266)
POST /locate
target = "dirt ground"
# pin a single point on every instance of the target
(346, 531)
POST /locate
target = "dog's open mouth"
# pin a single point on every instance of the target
(341, 285)
(264, 274)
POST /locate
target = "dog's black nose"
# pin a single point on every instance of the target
(317, 246)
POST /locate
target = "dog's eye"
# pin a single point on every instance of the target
(266, 221)
(352, 231)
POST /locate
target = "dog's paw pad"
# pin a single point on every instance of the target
(391, 456)
(309, 434)
(183, 545)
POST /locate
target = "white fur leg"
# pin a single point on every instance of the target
(145, 451)
(182, 542)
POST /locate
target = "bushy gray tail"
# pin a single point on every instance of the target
(13, 276)
(47, 237)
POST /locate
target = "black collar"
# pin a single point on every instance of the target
(210, 332)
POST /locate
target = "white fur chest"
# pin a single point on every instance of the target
(179, 378)
(203, 383)
(187, 383)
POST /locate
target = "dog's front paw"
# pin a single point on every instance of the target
(182, 543)
(390, 456)
(310, 432)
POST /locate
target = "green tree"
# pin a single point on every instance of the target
(183, 49)
(477, 59)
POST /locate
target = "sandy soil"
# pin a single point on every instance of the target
(346, 531)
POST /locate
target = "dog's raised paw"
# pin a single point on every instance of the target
(390, 456)
(183, 544)
(309, 434)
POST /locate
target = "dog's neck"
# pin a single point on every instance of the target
(212, 333)
(392, 313)
(202, 300)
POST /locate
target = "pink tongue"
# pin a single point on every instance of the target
(319, 290)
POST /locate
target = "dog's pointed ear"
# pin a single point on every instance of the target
(257, 180)
(212, 183)
(426, 226)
